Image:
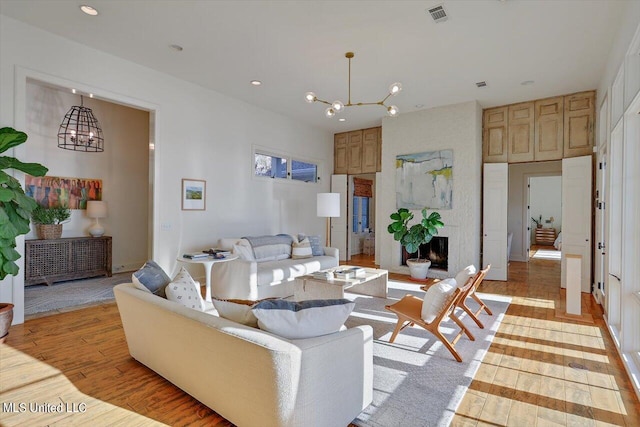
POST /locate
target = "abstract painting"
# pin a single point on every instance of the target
(424, 180)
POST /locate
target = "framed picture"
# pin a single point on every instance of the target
(424, 180)
(194, 193)
(61, 191)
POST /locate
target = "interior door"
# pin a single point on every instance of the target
(494, 214)
(576, 216)
(339, 226)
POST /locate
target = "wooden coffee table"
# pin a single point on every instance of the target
(374, 283)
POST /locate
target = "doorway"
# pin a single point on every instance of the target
(545, 212)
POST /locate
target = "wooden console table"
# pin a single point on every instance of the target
(55, 260)
(545, 236)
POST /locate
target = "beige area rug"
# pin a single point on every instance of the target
(416, 381)
(41, 298)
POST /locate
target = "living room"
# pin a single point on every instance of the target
(197, 130)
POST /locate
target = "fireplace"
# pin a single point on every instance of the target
(437, 250)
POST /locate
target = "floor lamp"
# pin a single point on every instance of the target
(328, 207)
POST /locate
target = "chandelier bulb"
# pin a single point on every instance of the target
(330, 112)
(393, 111)
(395, 88)
(337, 106)
(310, 97)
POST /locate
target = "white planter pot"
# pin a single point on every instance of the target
(419, 269)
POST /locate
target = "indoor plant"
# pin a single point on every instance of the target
(49, 221)
(15, 212)
(411, 237)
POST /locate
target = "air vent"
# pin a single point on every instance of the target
(481, 84)
(438, 13)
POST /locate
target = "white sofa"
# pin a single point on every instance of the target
(253, 280)
(249, 376)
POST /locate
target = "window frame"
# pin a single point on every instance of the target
(289, 158)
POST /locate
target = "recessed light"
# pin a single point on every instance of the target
(176, 47)
(527, 83)
(342, 119)
(89, 10)
(90, 95)
(73, 91)
(419, 105)
(256, 82)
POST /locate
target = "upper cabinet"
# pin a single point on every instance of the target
(357, 152)
(579, 123)
(520, 132)
(495, 135)
(540, 130)
(549, 133)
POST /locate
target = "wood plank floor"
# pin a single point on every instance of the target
(80, 359)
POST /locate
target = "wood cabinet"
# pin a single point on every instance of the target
(495, 135)
(545, 236)
(369, 150)
(520, 132)
(579, 113)
(549, 135)
(357, 152)
(544, 129)
(340, 165)
(55, 260)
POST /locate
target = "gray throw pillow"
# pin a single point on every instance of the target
(151, 278)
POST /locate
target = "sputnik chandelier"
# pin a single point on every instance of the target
(338, 106)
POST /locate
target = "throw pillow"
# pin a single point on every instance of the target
(151, 278)
(303, 319)
(237, 310)
(244, 252)
(435, 299)
(301, 249)
(463, 276)
(316, 246)
(184, 290)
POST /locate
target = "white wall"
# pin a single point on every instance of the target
(545, 198)
(123, 167)
(457, 127)
(198, 134)
(517, 222)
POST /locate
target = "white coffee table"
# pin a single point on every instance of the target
(208, 263)
(374, 283)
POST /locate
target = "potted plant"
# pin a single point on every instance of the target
(15, 212)
(49, 221)
(411, 237)
(537, 221)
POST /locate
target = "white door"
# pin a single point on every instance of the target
(339, 226)
(600, 260)
(494, 214)
(576, 216)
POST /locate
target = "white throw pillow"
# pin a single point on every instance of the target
(301, 249)
(435, 298)
(463, 276)
(184, 290)
(244, 252)
(303, 319)
(237, 310)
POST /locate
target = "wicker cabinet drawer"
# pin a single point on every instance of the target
(54, 260)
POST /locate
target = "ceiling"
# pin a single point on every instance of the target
(299, 46)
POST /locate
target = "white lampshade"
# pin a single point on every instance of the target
(96, 209)
(328, 205)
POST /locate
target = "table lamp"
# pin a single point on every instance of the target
(328, 207)
(96, 209)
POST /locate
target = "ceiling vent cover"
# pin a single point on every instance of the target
(438, 13)
(481, 84)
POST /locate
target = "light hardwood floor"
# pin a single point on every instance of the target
(80, 358)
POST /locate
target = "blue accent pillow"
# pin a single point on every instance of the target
(302, 319)
(151, 278)
(316, 245)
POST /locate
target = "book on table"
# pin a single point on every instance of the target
(196, 255)
(349, 273)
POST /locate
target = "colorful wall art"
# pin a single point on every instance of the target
(56, 191)
(424, 180)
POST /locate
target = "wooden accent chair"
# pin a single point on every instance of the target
(409, 312)
(471, 293)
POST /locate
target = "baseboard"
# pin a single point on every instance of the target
(123, 268)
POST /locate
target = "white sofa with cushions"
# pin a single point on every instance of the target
(265, 268)
(249, 376)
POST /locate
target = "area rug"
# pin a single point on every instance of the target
(416, 380)
(41, 298)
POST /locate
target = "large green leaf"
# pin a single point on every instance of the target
(10, 254)
(5, 194)
(8, 231)
(34, 169)
(9, 267)
(10, 137)
(4, 218)
(4, 177)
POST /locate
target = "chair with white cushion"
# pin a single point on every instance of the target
(439, 303)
